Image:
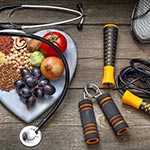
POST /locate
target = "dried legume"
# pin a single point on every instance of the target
(8, 75)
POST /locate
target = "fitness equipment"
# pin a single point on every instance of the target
(133, 84)
(112, 114)
(134, 101)
(135, 78)
(109, 109)
(140, 21)
(110, 32)
(88, 121)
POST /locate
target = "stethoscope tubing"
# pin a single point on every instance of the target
(13, 9)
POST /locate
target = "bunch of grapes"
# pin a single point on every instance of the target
(33, 86)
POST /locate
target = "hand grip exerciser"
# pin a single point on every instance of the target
(136, 102)
(110, 32)
(88, 121)
(112, 114)
(109, 108)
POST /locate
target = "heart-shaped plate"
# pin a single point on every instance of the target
(12, 101)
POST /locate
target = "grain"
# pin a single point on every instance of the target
(8, 75)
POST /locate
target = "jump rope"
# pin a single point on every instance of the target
(133, 84)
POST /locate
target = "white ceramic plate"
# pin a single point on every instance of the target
(12, 101)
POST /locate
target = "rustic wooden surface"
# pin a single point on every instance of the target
(64, 131)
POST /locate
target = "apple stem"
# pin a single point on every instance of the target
(48, 67)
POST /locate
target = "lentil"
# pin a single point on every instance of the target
(8, 75)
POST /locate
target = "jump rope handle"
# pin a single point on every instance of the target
(88, 122)
(136, 102)
(112, 114)
(110, 32)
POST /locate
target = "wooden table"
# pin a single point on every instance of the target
(64, 131)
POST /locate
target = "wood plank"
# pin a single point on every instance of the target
(89, 70)
(90, 43)
(92, 70)
(68, 114)
(67, 118)
(64, 130)
(97, 12)
(66, 2)
(70, 137)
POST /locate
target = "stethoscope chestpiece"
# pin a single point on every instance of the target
(29, 137)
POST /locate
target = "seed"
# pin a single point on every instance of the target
(25, 49)
(8, 74)
(28, 54)
(21, 51)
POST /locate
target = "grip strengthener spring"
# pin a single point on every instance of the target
(109, 108)
(110, 35)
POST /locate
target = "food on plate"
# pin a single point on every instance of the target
(36, 72)
(49, 89)
(14, 56)
(43, 82)
(31, 81)
(34, 45)
(20, 43)
(20, 84)
(20, 59)
(33, 86)
(38, 92)
(24, 67)
(2, 58)
(52, 68)
(25, 72)
(25, 92)
(30, 102)
(36, 58)
(8, 76)
(58, 39)
(6, 44)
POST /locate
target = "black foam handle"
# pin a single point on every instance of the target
(112, 114)
(88, 122)
(110, 44)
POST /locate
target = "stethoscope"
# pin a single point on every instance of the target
(13, 8)
(31, 135)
